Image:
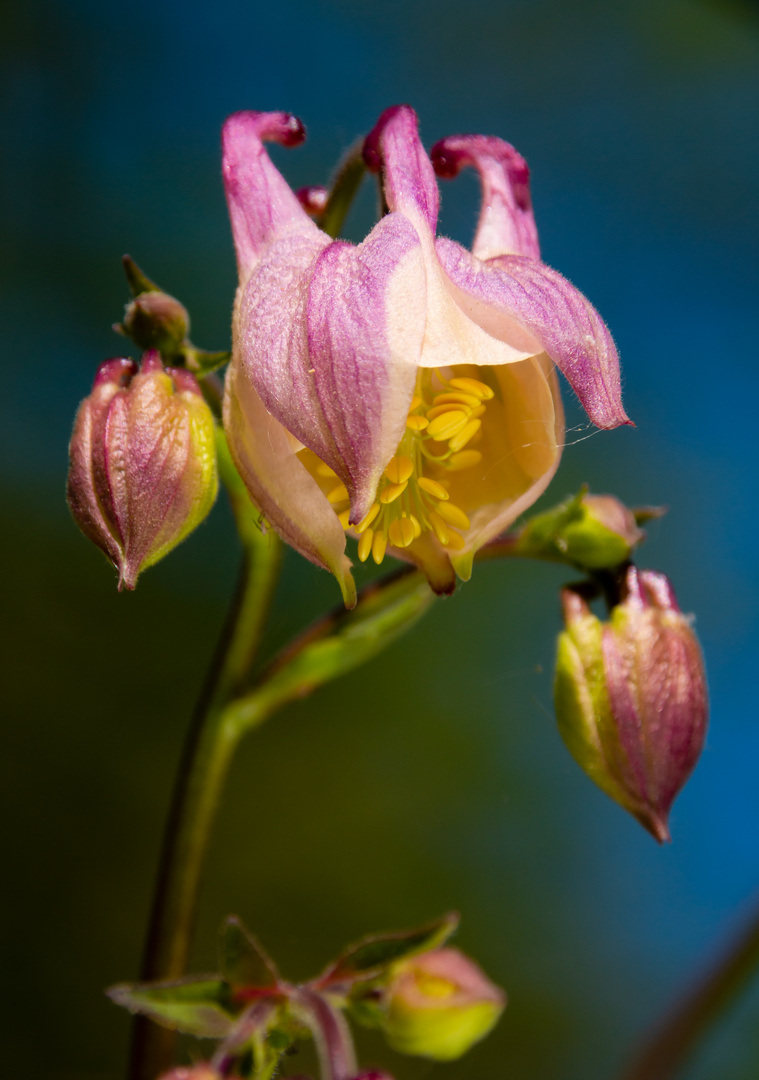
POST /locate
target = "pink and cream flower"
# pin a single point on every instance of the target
(404, 389)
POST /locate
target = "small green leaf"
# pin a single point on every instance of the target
(242, 960)
(369, 957)
(193, 1006)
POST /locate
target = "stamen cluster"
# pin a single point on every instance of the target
(444, 418)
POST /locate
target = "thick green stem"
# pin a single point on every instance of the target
(208, 751)
(671, 1043)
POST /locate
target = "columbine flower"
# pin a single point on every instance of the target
(143, 462)
(631, 696)
(403, 389)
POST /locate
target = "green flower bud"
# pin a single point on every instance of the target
(595, 532)
(630, 696)
(438, 1005)
(143, 462)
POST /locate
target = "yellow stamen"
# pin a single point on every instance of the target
(461, 438)
(416, 401)
(453, 514)
(399, 469)
(379, 546)
(446, 425)
(324, 470)
(417, 423)
(366, 522)
(343, 518)
(455, 540)
(338, 494)
(473, 386)
(465, 459)
(432, 487)
(439, 527)
(365, 544)
(401, 532)
(392, 491)
(456, 399)
(417, 526)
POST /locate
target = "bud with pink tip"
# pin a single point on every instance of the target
(630, 694)
(439, 1004)
(142, 469)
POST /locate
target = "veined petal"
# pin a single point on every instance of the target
(507, 224)
(523, 453)
(407, 176)
(261, 204)
(279, 484)
(366, 317)
(515, 290)
(452, 336)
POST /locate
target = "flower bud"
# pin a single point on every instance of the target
(142, 469)
(631, 698)
(155, 320)
(438, 1005)
(595, 532)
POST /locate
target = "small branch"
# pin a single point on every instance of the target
(671, 1043)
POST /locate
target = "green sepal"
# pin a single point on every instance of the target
(371, 956)
(137, 280)
(242, 961)
(195, 1006)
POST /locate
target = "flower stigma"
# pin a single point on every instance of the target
(443, 428)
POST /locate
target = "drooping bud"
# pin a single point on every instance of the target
(142, 469)
(594, 532)
(153, 319)
(438, 1005)
(630, 694)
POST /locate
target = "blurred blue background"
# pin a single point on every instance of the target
(434, 778)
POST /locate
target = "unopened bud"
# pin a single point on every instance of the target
(595, 532)
(438, 1005)
(155, 320)
(142, 469)
(631, 698)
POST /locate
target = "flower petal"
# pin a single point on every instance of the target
(279, 484)
(407, 176)
(261, 204)
(507, 224)
(515, 290)
(366, 320)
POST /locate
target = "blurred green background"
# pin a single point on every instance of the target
(434, 778)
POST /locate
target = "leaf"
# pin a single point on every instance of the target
(193, 1006)
(242, 960)
(369, 957)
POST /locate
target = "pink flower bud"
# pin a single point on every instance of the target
(155, 320)
(439, 1004)
(631, 698)
(142, 469)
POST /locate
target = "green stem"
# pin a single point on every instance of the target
(670, 1044)
(208, 751)
(346, 184)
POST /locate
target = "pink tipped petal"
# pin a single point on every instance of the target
(261, 204)
(409, 182)
(272, 339)
(366, 319)
(507, 224)
(282, 487)
(568, 328)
